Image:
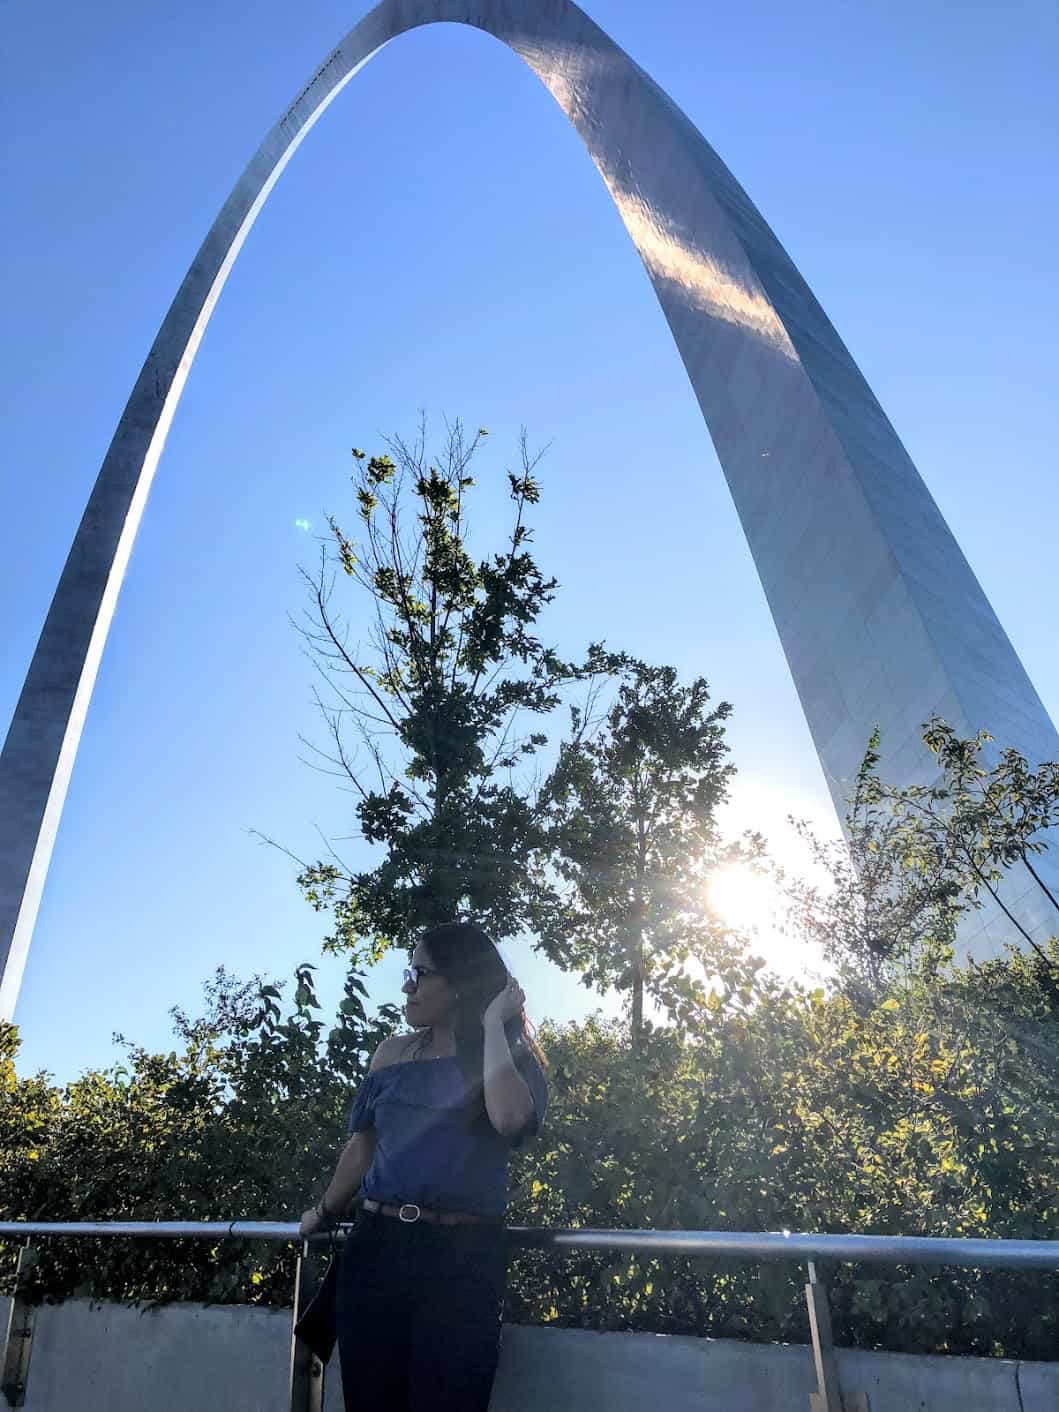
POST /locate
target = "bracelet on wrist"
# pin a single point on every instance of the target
(323, 1213)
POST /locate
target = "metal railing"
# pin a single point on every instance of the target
(306, 1377)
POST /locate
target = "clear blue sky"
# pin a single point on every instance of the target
(443, 241)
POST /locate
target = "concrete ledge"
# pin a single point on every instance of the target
(1037, 1386)
(180, 1358)
(193, 1358)
(567, 1369)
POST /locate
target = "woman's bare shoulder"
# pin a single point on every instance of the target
(391, 1051)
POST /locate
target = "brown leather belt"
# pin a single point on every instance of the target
(410, 1213)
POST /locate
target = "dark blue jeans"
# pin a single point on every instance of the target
(419, 1315)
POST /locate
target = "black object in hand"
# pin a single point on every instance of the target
(318, 1324)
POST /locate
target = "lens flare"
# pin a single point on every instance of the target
(749, 901)
(743, 898)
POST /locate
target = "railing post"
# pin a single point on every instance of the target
(306, 1389)
(18, 1336)
(828, 1395)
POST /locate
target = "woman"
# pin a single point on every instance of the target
(422, 1274)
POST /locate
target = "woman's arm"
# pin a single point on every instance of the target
(508, 1101)
(357, 1156)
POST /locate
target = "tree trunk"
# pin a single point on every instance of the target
(639, 913)
(637, 989)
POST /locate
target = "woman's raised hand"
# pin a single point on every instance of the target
(506, 1004)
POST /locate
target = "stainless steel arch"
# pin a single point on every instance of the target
(879, 614)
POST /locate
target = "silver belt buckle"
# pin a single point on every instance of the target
(412, 1217)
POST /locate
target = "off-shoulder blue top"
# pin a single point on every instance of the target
(426, 1152)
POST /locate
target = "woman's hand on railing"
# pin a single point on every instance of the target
(312, 1223)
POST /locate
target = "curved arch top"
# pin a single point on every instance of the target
(880, 616)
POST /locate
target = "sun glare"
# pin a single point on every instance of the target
(748, 901)
(742, 898)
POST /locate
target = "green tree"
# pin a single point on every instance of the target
(917, 859)
(923, 1113)
(989, 813)
(632, 833)
(240, 1120)
(926, 1103)
(882, 903)
(437, 722)
(806, 1110)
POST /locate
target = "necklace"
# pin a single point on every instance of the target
(418, 1050)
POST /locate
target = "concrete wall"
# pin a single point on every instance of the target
(185, 1358)
(567, 1369)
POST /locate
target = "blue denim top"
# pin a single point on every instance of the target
(426, 1152)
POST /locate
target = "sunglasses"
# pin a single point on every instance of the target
(414, 974)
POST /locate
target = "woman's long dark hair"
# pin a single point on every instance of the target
(468, 959)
